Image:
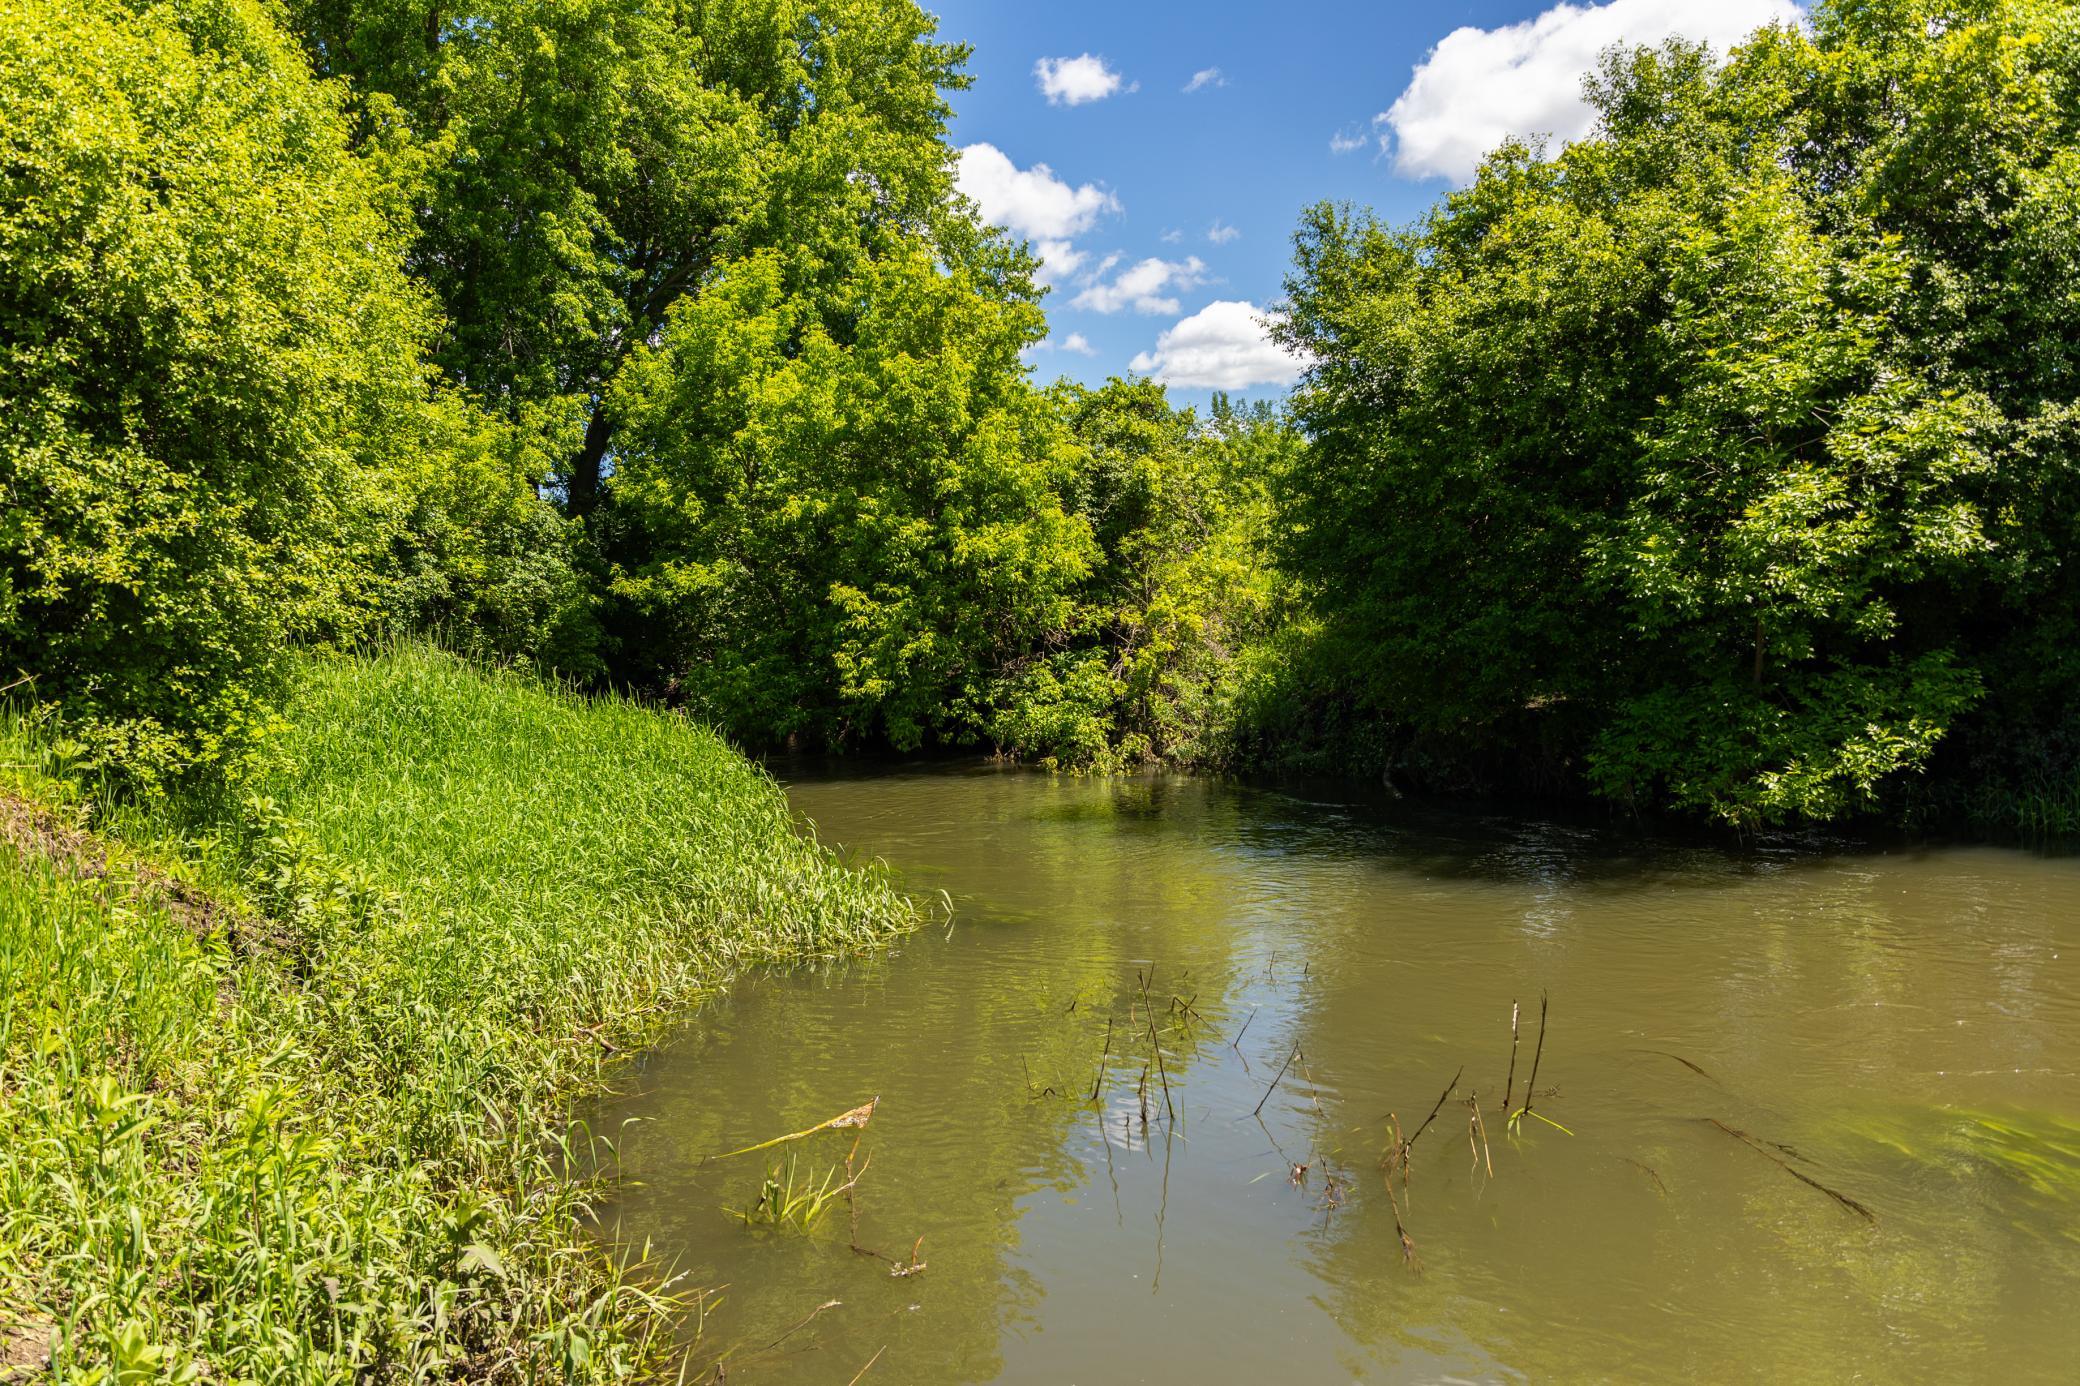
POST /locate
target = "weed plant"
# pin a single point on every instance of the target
(312, 1126)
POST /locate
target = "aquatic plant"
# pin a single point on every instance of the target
(789, 1202)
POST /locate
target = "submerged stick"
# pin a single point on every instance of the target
(1411, 1143)
(1274, 1081)
(1800, 1175)
(827, 1304)
(1510, 1085)
(869, 1367)
(1647, 1170)
(1233, 1043)
(1408, 1243)
(1531, 1087)
(1681, 1060)
(1161, 1072)
(844, 1121)
(1313, 1094)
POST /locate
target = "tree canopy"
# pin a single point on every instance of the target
(1726, 455)
(574, 168)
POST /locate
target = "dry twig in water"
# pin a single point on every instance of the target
(1510, 1086)
(1274, 1081)
(844, 1121)
(869, 1367)
(1745, 1139)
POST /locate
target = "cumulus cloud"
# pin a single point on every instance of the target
(1073, 81)
(1205, 77)
(1075, 342)
(1479, 86)
(1220, 233)
(1033, 203)
(1224, 346)
(1146, 286)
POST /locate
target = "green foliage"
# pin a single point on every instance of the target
(208, 349)
(791, 1201)
(469, 552)
(329, 1141)
(1179, 509)
(218, 435)
(1723, 454)
(834, 529)
(578, 168)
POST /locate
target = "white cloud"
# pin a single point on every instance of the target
(1479, 86)
(1075, 342)
(1172, 236)
(1344, 141)
(1205, 77)
(1220, 233)
(1140, 285)
(1033, 203)
(1223, 346)
(1073, 81)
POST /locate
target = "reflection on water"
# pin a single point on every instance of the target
(1901, 1026)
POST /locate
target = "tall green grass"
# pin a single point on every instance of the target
(323, 1137)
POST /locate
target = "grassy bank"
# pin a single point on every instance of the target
(285, 1073)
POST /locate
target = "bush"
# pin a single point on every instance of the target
(217, 436)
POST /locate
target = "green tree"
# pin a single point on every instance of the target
(833, 526)
(1724, 458)
(577, 167)
(210, 363)
(1179, 596)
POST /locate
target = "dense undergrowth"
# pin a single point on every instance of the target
(286, 1072)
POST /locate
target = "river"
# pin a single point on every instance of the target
(1805, 1111)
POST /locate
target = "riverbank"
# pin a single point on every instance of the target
(287, 1072)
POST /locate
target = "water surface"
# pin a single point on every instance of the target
(1901, 1027)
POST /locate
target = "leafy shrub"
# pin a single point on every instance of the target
(207, 353)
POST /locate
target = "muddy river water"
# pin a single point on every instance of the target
(1804, 1111)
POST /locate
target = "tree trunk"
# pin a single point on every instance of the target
(582, 486)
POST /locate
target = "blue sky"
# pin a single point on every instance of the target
(1159, 155)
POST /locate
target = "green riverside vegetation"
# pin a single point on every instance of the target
(315, 1129)
(1727, 461)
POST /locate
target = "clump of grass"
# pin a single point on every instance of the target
(789, 1201)
(318, 1132)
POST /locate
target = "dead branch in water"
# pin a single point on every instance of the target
(1510, 1085)
(1236, 1042)
(1800, 1175)
(869, 1367)
(1476, 1127)
(1408, 1243)
(1531, 1087)
(844, 1121)
(1274, 1081)
(1681, 1060)
(1411, 1143)
(827, 1304)
(1647, 1170)
(1098, 1082)
(1313, 1094)
(1162, 1072)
